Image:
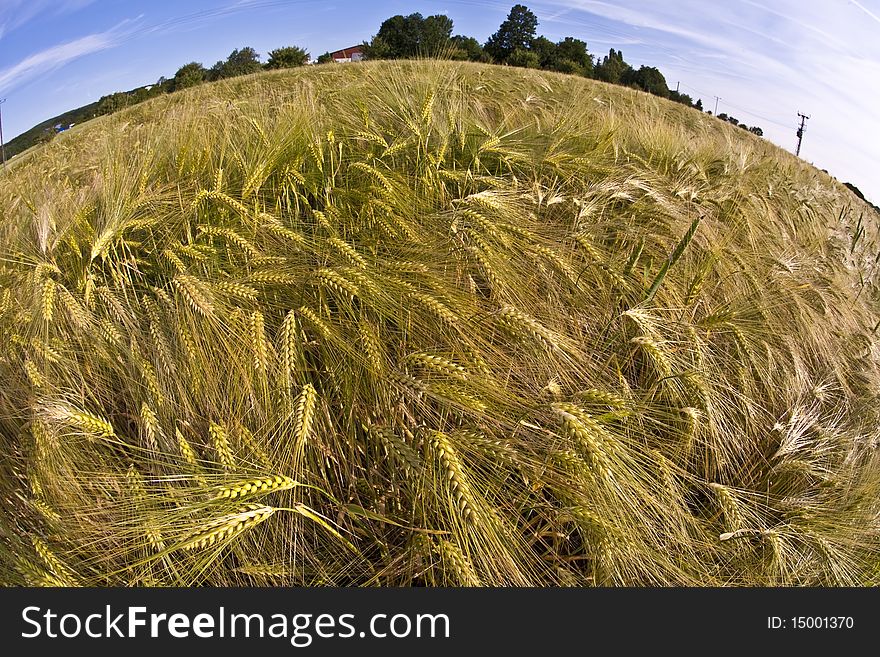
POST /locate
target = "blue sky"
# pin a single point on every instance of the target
(766, 59)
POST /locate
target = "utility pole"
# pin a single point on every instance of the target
(2, 145)
(800, 132)
(676, 86)
(716, 105)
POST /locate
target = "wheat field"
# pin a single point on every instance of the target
(433, 324)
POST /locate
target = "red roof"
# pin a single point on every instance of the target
(346, 53)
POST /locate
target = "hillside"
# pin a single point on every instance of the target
(32, 137)
(434, 323)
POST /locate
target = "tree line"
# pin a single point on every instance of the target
(242, 61)
(516, 43)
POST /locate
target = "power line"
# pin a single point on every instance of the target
(758, 116)
(767, 119)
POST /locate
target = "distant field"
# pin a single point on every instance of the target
(441, 324)
(32, 137)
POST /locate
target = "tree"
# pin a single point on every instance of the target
(699, 104)
(325, 58)
(524, 58)
(400, 35)
(546, 52)
(112, 103)
(410, 36)
(756, 131)
(567, 56)
(188, 75)
(515, 33)
(436, 32)
(239, 62)
(465, 47)
(572, 57)
(613, 68)
(377, 48)
(682, 98)
(288, 57)
(647, 78)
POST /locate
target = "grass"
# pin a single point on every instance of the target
(440, 324)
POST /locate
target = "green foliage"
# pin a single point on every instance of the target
(517, 32)
(441, 324)
(376, 48)
(113, 103)
(524, 58)
(572, 57)
(244, 61)
(467, 48)
(404, 37)
(567, 56)
(325, 58)
(189, 75)
(613, 68)
(435, 35)
(682, 98)
(288, 57)
(647, 78)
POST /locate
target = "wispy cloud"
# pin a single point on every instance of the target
(50, 59)
(866, 10)
(15, 13)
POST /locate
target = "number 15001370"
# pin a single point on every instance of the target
(810, 623)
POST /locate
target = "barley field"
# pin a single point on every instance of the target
(433, 324)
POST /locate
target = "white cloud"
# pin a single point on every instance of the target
(866, 10)
(52, 58)
(15, 13)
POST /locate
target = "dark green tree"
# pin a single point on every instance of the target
(468, 48)
(682, 98)
(524, 58)
(325, 58)
(613, 67)
(647, 78)
(113, 103)
(376, 48)
(400, 34)
(699, 104)
(515, 33)
(402, 37)
(239, 62)
(572, 57)
(434, 39)
(288, 57)
(756, 130)
(188, 75)
(545, 49)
